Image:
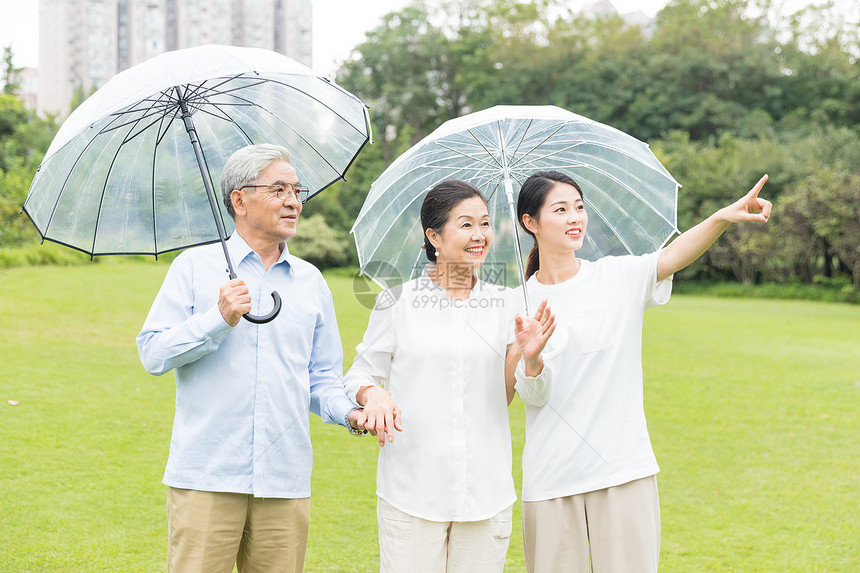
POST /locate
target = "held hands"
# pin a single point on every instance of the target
(234, 300)
(532, 333)
(749, 207)
(380, 416)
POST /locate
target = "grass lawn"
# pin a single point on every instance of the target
(753, 408)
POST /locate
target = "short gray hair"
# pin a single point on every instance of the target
(245, 166)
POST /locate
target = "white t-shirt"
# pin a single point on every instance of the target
(443, 362)
(591, 433)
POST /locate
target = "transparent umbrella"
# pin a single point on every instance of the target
(133, 169)
(630, 197)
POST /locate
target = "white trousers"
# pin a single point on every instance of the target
(409, 544)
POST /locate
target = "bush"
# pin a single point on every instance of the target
(319, 244)
(791, 290)
(41, 254)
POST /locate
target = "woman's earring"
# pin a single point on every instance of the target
(437, 253)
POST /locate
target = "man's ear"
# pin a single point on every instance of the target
(237, 198)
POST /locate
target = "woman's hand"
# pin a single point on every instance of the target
(692, 244)
(381, 413)
(532, 334)
(750, 207)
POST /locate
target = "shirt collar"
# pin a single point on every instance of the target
(239, 250)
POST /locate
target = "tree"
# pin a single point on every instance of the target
(11, 74)
(319, 244)
(820, 224)
(813, 184)
(426, 64)
(24, 139)
(598, 70)
(79, 95)
(12, 114)
(397, 70)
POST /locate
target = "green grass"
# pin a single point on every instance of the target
(753, 408)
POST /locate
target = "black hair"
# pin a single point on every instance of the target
(531, 200)
(438, 204)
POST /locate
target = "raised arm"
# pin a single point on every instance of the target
(692, 244)
(532, 334)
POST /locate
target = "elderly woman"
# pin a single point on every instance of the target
(439, 345)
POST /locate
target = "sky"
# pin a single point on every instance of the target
(339, 25)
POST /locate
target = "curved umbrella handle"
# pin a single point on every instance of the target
(267, 317)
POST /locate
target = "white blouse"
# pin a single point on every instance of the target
(443, 362)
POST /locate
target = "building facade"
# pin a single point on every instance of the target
(83, 43)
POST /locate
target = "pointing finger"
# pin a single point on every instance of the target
(755, 190)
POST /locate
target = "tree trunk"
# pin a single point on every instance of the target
(828, 260)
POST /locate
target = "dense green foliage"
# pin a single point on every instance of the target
(723, 91)
(24, 138)
(751, 409)
(319, 244)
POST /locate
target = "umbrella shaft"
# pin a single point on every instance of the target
(509, 191)
(204, 174)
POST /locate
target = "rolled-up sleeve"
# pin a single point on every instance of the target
(656, 293)
(534, 391)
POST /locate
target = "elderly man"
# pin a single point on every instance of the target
(240, 454)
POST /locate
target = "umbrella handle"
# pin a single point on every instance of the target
(267, 317)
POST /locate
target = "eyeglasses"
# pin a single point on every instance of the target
(280, 189)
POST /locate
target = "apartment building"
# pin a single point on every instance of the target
(83, 43)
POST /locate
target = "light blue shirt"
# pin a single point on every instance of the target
(243, 393)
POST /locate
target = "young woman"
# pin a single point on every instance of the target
(438, 344)
(589, 474)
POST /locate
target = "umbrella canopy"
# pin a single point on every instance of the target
(134, 168)
(122, 177)
(630, 197)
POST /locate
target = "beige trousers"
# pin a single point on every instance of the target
(409, 544)
(209, 532)
(613, 530)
